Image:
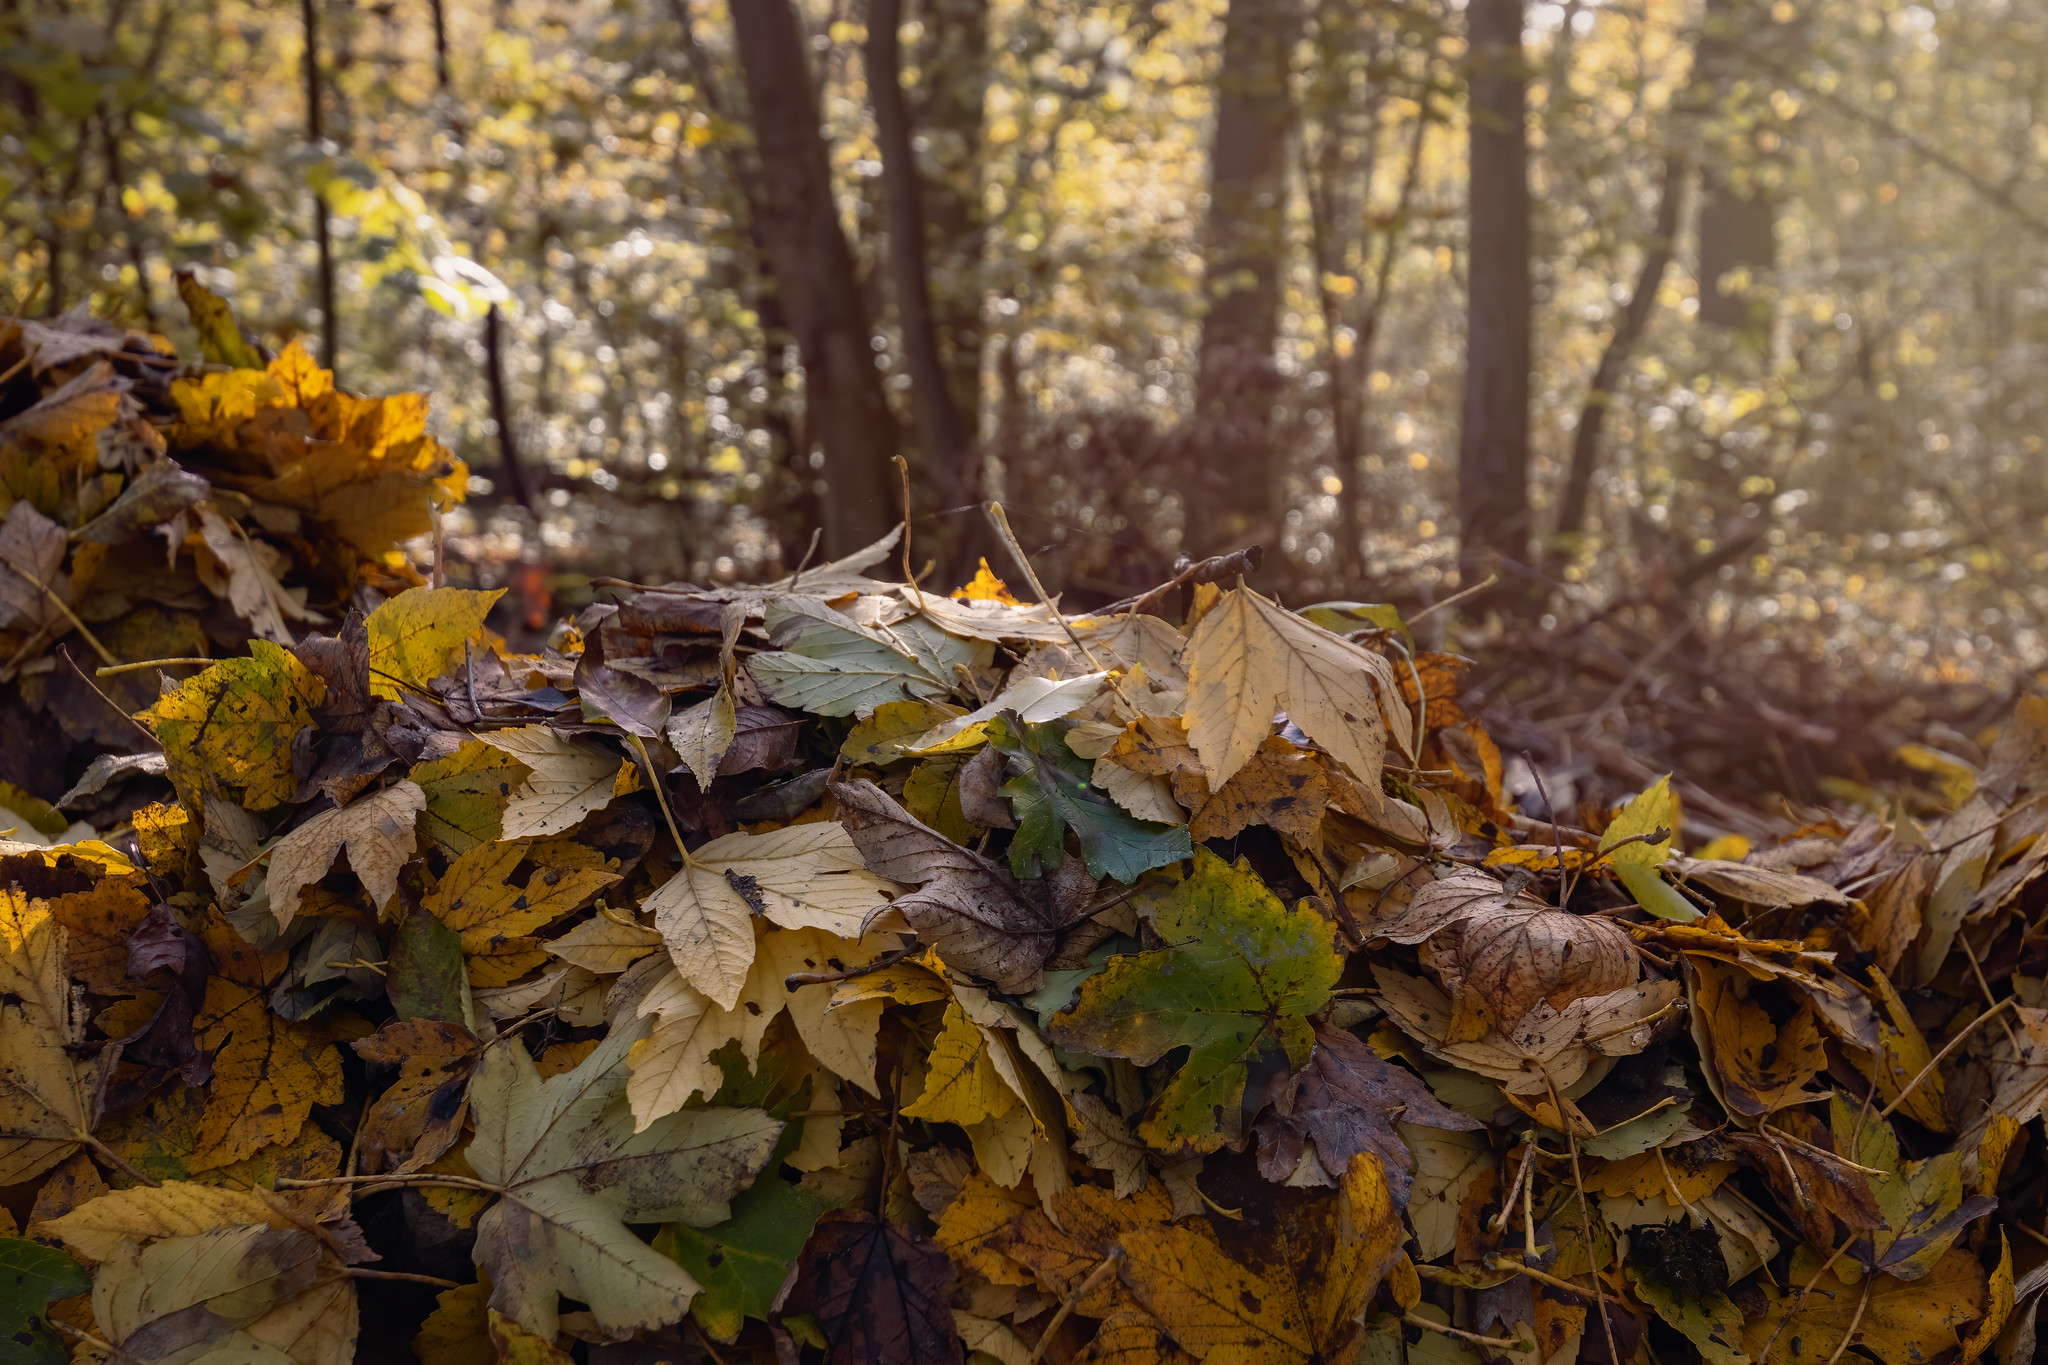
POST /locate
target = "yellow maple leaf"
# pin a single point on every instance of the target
(419, 635)
(493, 913)
(984, 587)
(962, 1084)
(228, 731)
(268, 1074)
(48, 1101)
(456, 1332)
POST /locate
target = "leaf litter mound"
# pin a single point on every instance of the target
(837, 970)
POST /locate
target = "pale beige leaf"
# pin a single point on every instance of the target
(252, 568)
(253, 1294)
(709, 929)
(377, 831)
(605, 945)
(568, 779)
(701, 735)
(1249, 657)
(1147, 796)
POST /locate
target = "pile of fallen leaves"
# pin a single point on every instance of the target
(153, 511)
(838, 970)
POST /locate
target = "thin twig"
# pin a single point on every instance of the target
(1455, 598)
(152, 663)
(1941, 1056)
(1585, 1212)
(1102, 1271)
(1498, 1343)
(65, 608)
(796, 980)
(365, 1273)
(1849, 1333)
(65, 655)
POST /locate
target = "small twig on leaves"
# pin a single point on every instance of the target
(1849, 1333)
(1962, 1035)
(65, 655)
(153, 663)
(121, 1163)
(1585, 1213)
(365, 1273)
(1214, 569)
(1001, 522)
(88, 1338)
(805, 562)
(704, 1341)
(903, 472)
(64, 608)
(1498, 1343)
(796, 980)
(1103, 1270)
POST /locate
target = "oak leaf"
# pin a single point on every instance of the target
(1279, 785)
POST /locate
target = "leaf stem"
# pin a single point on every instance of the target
(364, 1273)
(392, 1178)
(1103, 1270)
(661, 798)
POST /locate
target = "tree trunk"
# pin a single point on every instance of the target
(1234, 488)
(309, 16)
(1571, 512)
(1493, 447)
(953, 56)
(813, 266)
(938, 421)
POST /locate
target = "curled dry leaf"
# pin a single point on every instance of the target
(966, 906)
(1510, 949)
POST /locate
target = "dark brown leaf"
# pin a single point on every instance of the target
(969, 908)
(880, 1293)
(1347, 1100)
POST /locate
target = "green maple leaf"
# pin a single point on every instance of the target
(1049, 793)
(1236, 985)
(31, 1277)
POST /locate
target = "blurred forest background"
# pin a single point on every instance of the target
(1717, 325)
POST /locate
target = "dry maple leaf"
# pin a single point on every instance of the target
(49, 1097)
(1346, 1101)
(375, 828)
(878, 1291)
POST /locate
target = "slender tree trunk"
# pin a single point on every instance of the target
(501, 412)
(1614, 357)
(1234, 489)
(1351, 501)
(1493, 448)
(309, 13)
(440, 9)
(813, 267)
(953, 57)
(938, 421)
